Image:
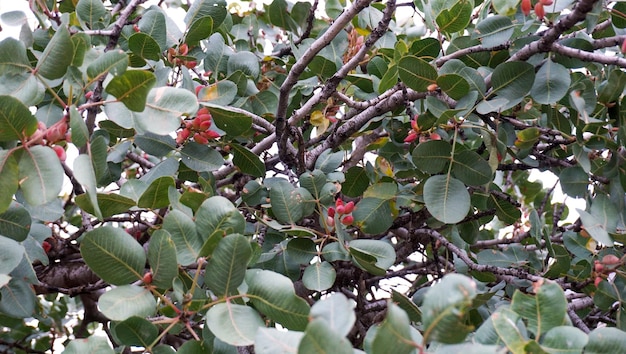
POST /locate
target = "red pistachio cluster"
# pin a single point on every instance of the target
(605, 266)
(198, 129)
(344, 211)
(539, 7)
(416, 132)
(52, 135)
(173, 55)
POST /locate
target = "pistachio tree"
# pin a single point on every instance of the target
(313, 177)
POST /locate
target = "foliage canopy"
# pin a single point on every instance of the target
(313, 177)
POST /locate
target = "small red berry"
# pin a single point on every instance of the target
(349, 207)
(198, 88)
(191, 64)
(147, 278)
(610, 259)
(203, 110)
(46, 246)
(200, 139)
(347, 220)
(60, 152)
(331, 212)
(205, 125)
(338, 202)
(330, 221)
(435, 136)
(88, 94)
(136, 28)
(547, 2)
(411, 137)
(526, 6)
(211, 134)
(341, 209)
(539, 11)
(597, 281)
(183, 49)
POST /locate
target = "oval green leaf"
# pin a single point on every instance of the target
(446, 198)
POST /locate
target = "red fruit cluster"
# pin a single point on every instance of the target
(607, 265)
(415, 131)
(173, 55)
(343, 210)
(539, 7)
(198, 129)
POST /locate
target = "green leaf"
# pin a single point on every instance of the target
(356, 182)
(278, 14)
(286, 201)
(85, 175)
(416, 73)
(432, 156)
(456, 18)
(426, 48)
(406, 304)
(247, 62)
(543, 311)
(13, 58)
(155, 196)
(454, 85)
(275, 341)
(394, 333)
(110, 204)
(162, 112)
(329, 161)
(217, 215)
(564, 339)
(505, 325)
(337, 311)
(383, 254)
(80, 134)
(153, 23)
(445, 304)
(234, 324)
(471, 169)
(574, 181)
(157, 145)
(319, 338)
(18, 299)
(16, 121)
(606, 340)
(15, 222)
(247, 161)
(618, 15)
(201, 158)
(144, 46)
(113, 255)
(232, 122)
(219, 94)
(94, 344)
(136, 331)
(595, 228)
(54, 60)
(162, 259)
(551, 83)
(9, 179)
(494, 31)
(319, 276)
(216, 9)
(90, 11)
(40, 174)
(226, 269)
(200, 29)
(273, 295)
(512, 81)
(11, 254)
(131, 88)
(373, 215)
(125, 301)
(446, 198)
(113, 61)
(183, 232)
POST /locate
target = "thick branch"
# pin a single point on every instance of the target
(286, 154)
